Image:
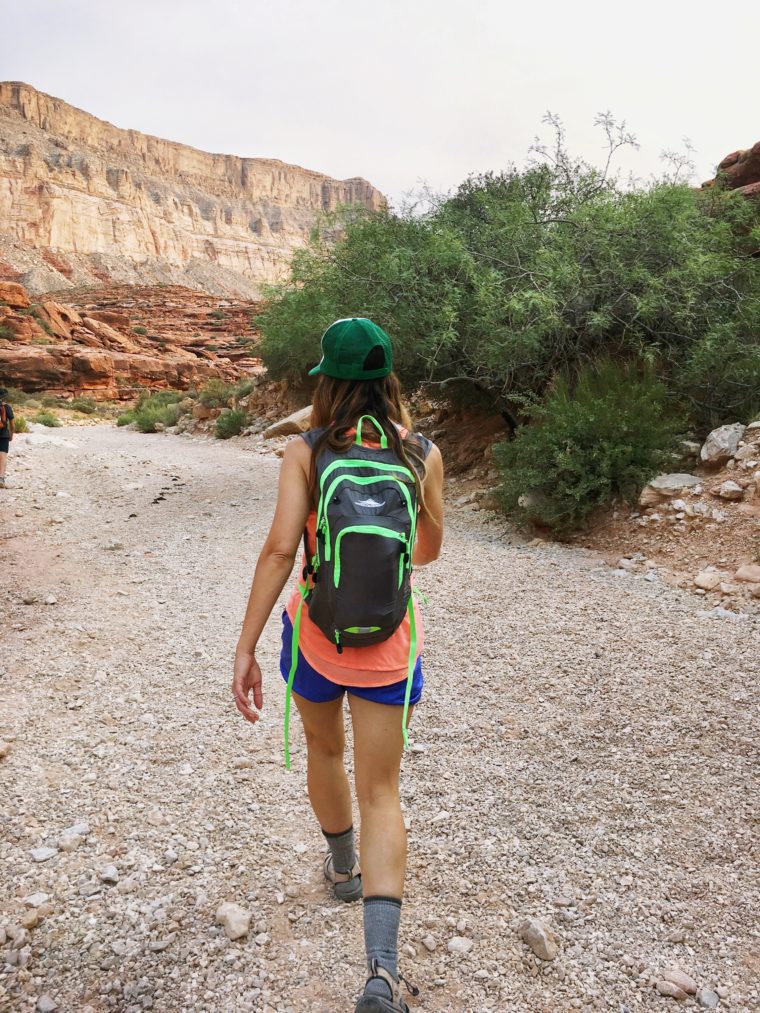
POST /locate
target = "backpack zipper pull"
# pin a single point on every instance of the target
(338, 644)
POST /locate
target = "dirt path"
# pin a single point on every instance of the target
(586, 753)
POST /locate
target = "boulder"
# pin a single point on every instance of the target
(731, 490)
(664, 487)
(750, 573)
(721, 445)
(708, 580)
(14, 295)
(681, 979)
(298, 422)
(61, 319)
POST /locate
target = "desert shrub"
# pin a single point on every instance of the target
(243, 387)
(212, 348)
(126, 418)
(6, 332)
(593, 439)
(85, 405)
(20, 424)
(17, 396)
(49, 401)
(162, 407)
(46, 418)
(216, 393)
(217, 314)
(229, 424)
(140, 330)
(39, 340)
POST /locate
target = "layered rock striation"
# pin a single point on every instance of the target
(111, 348)
(83, 202)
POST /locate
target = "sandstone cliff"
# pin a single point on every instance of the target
(739, 171)
(83, 202)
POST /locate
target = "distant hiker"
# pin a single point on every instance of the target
(6, 433)
(364, 495)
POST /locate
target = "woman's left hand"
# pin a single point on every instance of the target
(246, 677)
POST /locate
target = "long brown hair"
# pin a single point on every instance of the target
(339, 404)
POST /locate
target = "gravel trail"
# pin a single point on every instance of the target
(585, 754)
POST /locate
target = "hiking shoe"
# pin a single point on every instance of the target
(347, 886)
(2, 483)
(387, 1003)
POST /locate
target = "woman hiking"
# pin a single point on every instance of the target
(364, 496)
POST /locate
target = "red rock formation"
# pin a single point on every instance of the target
(101, 348)
(739, 171)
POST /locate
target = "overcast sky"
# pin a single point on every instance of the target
(400, 91)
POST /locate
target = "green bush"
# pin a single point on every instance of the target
(46, 418)
(230, 424)
(140, 330)
(216, 394)
(17, 396)
(85, 405)
(243, 387)
(6, 332)
(217, 314)
(20, 424)
(591, 441)
(126, 418)
(49, 401)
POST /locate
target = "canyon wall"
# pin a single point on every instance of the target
(83, 202)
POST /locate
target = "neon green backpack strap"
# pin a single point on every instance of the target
(410, 670)
(293, 665)
(376, 424)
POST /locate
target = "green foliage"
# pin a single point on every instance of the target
(243, 387)
(216, 394)
(126, 418)
(217, 314)
(85, 405)
(46, 418)
(140, 330)
(159, 407)
(49, 400)
(17, 396)
(523, 275)
(7, 333)
(20, 425)
(592, 440)
(229, 424)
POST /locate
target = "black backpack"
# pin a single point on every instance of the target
(360, 588)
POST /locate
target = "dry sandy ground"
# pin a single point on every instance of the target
(585, 753)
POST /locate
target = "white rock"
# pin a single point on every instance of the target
(750, 573)
(45, 1004)
(235, 919)
(708, 580)
(429, 942)
(722, 444)
(43, 854)
(708, 999)
(109, 874)
(36, 899)
(540, 938)
(664, 487)
(731, 490)
(80, 829)
(69, 842)
(459, 944)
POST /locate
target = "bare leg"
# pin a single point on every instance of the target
(378, 745)
(329, 791)
(3, 463)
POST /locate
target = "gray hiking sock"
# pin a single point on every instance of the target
(343, 849)
(382, 916)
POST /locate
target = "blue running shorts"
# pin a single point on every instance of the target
(309, 684)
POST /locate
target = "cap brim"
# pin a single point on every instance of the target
(317, 369)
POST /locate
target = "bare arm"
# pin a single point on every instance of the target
(430, 524)
(273, 568)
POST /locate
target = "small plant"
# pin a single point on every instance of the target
(39, 340)
(216, 394)
(45, 418)
(20, 425)
(49, 401)
(217, 314)
(84, 405)
(243, 387)
(161, 407)
(591, 441)
(212, 348)
(230, 424)
(7, 332)
(140, 330)
(126, 418)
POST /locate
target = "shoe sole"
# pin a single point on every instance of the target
(376, 1004)
(350, 891)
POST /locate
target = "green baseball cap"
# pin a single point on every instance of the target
(346, 345)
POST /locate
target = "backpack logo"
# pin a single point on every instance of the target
(368, 503)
